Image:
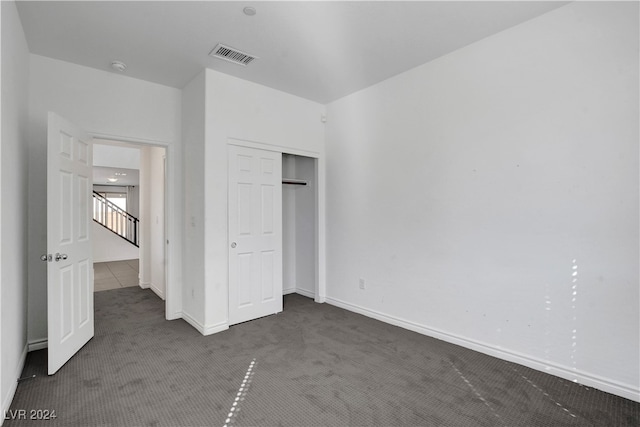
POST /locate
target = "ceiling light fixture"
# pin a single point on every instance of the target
(118, 66)
(249, 11)
(112, 179)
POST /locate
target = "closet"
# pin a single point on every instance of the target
(299, 225)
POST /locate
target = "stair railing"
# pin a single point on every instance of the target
(115, 219)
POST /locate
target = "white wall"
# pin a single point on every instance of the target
(102, 103)
(133, 200)
(107, 246)
(245, 111)
(193, 137)
(144, 260)
(115, 156)
(490, 197)
(13, 208)
(155, 219)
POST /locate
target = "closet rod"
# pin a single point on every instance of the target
(294, 181)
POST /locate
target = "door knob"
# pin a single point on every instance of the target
(46, 257)
(60, 256)
(233, 244)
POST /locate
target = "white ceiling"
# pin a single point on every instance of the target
(115, 160)
(317, 50)
(124, 176)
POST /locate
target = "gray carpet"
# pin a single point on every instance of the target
(311, 365)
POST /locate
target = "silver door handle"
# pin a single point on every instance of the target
(46, 257)
(233, 244)
(60, 256)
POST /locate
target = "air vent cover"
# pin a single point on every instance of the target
(232, 55)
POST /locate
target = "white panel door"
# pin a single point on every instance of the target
(255, 233)
(70, 263)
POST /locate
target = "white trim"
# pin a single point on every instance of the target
(205, 330)
(8, 398)
(321, 276)
(174, 316)
(193, 322)
(144, 285)
(128, 140)
(305, 293)
(157, 291)
(271, 147)
(584, 378)
(38, 344)
(214, 329)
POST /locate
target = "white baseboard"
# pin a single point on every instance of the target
(302, 292)
(305, 293)
(38, 344)
(205, 330)
(584, 378)
(173, 316)
(193, 322)
(157, 290)
(214, 329)
(8, 398)
(144, 285)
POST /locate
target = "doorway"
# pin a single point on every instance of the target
(131, 177)
(70, 273)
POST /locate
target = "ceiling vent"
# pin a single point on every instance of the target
(232, 55)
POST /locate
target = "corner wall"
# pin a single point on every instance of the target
(154, 218)
(490, 197)
(193, 137)
(13, 208)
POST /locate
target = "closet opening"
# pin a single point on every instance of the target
(299, 225)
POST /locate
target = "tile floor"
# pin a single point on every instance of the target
(115, 274)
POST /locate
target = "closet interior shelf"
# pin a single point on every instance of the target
(292, 181)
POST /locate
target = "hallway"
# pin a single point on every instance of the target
(115, 274)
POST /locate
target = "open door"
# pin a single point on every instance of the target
(255, 233)
(69, 252)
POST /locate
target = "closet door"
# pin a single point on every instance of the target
(255, 233)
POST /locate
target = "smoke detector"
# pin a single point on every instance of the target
(118, 66)
(231, 54)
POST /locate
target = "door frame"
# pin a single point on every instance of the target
(320, 282)
(173, 288)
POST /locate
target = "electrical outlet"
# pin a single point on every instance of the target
(362, 284)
